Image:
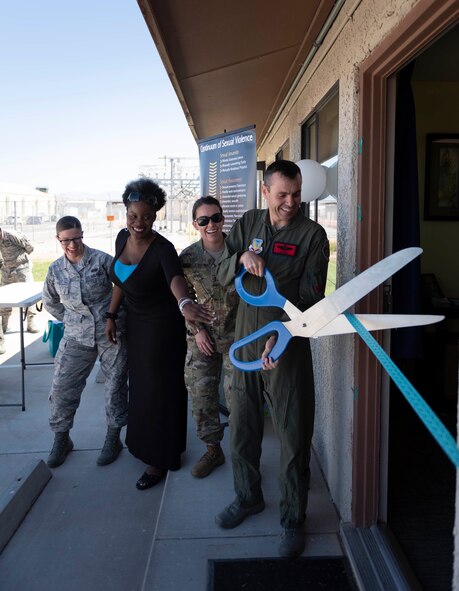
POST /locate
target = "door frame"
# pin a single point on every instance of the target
(425, 22)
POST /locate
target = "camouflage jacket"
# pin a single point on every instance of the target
(80, 294)
(15, 248)
(200, 270)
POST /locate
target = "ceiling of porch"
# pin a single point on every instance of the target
(232, 64)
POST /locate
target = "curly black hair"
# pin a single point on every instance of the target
(151, 193)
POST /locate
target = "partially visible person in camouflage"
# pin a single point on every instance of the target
(2, 338)
(208, 347)
(78, 291)
(15, 248)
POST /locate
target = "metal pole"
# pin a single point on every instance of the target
(170, 217)
(110, 223)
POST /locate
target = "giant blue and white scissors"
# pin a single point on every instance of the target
(326, 317)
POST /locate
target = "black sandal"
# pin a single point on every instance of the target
(148, 480)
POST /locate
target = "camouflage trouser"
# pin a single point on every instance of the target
(73, 364)
(18, 276)
(203, 376)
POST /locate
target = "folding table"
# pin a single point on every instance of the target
(22, 296)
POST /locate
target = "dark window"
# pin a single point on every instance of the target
(319, 141)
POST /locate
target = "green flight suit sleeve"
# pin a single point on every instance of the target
(314, 277)
(228, 266)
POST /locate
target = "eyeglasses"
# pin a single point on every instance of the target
(203, 220)
(136, 196)
(67, 241)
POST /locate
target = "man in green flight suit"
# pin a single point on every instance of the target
(296, 251)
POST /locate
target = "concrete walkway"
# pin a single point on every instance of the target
(91, 529)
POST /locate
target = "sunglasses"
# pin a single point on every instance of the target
(136, 196)
(67, 241)
(203, 220)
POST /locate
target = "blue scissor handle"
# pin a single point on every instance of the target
(283, 337)
(270, 297)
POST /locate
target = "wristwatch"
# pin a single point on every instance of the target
(110, 316)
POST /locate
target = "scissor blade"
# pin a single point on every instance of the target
(341, 325)
(319, 315)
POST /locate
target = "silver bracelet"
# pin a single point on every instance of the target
(183, 303)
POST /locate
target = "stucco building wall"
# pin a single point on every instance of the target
(360, 26)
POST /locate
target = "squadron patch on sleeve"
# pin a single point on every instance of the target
(284, 248)
(256, 245)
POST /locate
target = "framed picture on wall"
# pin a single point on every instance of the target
(441, 196)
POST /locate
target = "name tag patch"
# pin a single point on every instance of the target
(284, 248)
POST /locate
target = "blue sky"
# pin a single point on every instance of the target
(85, 99)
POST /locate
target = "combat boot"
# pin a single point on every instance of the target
(31, 326)
(213, 457)
(112, 447)
(61, 447)
(2, 345)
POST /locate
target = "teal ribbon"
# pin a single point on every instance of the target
(417, 402)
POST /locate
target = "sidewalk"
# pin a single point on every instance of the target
(91, 529)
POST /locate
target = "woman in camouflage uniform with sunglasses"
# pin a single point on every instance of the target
(208, 345)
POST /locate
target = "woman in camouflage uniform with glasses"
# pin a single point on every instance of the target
(78, 291)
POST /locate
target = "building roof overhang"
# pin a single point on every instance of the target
(233, 64)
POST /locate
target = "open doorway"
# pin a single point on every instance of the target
(421, 483)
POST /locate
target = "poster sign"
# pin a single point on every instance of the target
(228, 166)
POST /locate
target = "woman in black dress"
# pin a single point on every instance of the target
(148, 279)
